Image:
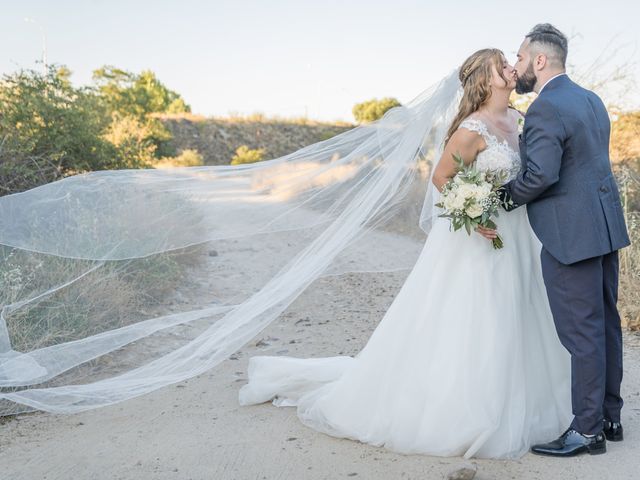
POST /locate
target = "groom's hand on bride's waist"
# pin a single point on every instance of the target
(505, 199)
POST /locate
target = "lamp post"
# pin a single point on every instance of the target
(44, 43)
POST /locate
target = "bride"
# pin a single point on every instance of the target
(466, 361)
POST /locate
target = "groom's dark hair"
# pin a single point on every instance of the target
(550, 39)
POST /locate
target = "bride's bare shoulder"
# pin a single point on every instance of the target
(473, 123)
(472, 118)
(468, 137)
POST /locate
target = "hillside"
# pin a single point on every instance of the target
(217, 138)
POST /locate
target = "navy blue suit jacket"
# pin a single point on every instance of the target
(566, 182)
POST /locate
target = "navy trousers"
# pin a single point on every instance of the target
(583, 298)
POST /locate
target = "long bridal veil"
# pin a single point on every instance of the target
(117, 283)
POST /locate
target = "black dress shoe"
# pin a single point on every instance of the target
(572, 443)
(613, 431)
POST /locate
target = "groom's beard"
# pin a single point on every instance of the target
(526, 82)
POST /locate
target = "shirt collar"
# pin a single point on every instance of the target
(545, 84)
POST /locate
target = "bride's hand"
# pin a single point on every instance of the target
(487, 233)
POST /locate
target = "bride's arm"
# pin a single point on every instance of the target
(463, 142)
(467, 145)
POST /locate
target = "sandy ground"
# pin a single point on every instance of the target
(196, 429)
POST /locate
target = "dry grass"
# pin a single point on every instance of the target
(259, 117)
(256, 117)
(115, 294)
(179, 116)
(629, 300)
(218, 139)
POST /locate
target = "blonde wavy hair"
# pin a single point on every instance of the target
(475, 75)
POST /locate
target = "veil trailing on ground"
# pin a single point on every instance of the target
(117, 283)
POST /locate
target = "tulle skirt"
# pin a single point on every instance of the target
(465, 362)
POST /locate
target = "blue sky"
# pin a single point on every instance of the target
(283, 57)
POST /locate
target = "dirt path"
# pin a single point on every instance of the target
(196, 429)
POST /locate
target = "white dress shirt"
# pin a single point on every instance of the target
(545, 83)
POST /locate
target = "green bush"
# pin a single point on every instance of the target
(246, 155)
(374, 109)
(137, 95)
(187, 158)
(133, 140)
(48, 129)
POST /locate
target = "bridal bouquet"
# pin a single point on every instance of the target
(470, 198)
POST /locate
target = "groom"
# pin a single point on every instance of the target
(574, 208)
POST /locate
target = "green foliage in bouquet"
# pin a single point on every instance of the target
(470, 198)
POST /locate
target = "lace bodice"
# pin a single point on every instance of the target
(498, 154)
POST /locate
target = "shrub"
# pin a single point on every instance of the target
(133, 141)
(187, 158)
(374, 109)
(246, 155)
(138, 95)
(48, 129)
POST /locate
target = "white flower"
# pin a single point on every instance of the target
(466, 190)
(474, 210)
(477, 192)
(520, 125)
(447, 197)
(447, 200)
(484, 191)
(454, 200)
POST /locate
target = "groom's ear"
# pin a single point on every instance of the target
(540, 61)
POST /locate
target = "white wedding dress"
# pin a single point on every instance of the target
(466, 360)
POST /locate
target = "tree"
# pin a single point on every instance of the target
(138, 95)
(50, 129)
(374, 109)
(133, 140)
